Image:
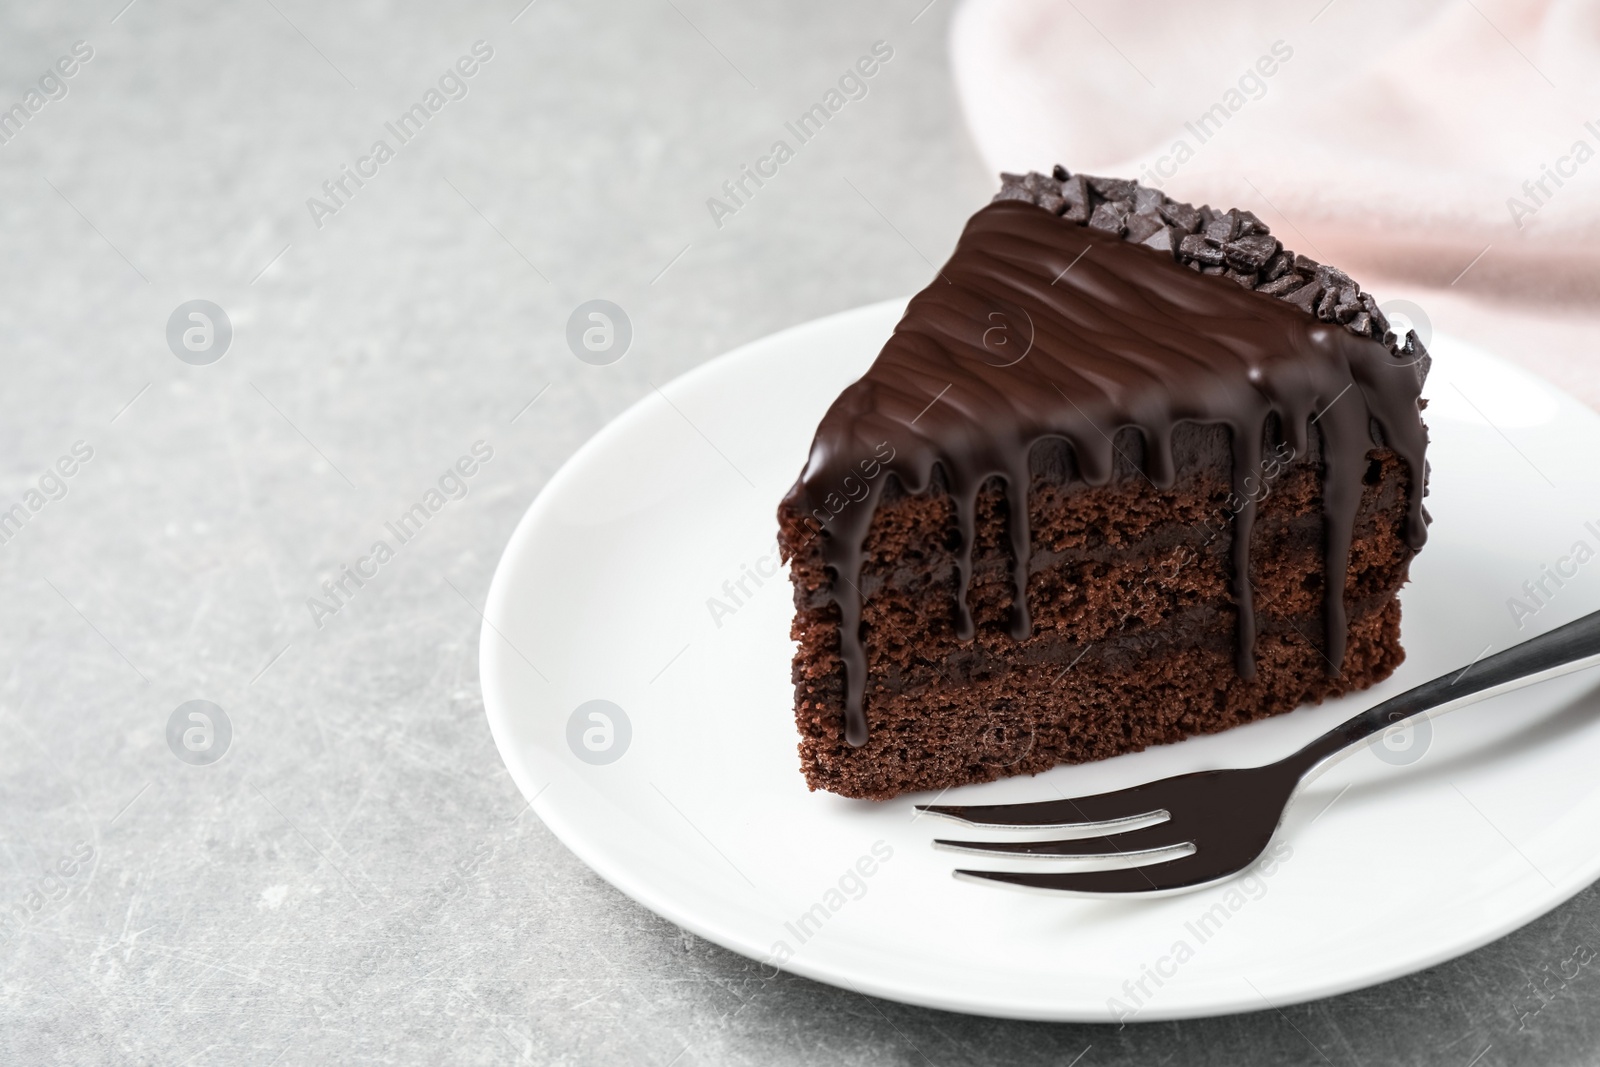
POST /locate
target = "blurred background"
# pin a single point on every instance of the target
(336, 867)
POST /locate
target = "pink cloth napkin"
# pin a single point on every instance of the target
(1442, 152)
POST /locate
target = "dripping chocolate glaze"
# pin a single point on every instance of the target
(1039, 327)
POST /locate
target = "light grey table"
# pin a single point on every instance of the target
(357, 880)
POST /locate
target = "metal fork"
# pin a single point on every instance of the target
(1196, 829)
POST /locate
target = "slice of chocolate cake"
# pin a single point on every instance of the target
(1127, 471)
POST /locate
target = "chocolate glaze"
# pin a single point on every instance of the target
(1038, 327)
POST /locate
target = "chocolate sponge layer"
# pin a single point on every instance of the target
(1134, 625)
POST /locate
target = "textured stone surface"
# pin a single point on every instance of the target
(293, 903)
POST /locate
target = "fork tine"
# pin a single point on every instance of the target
(1118, 806)
(1168, 876)
(1157, 838)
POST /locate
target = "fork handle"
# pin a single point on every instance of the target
(1561, 651)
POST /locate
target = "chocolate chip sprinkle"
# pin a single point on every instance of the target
(1110, 215)
(1277, 267)
(1252, 252)
(1220, 230)
(1185, 218)
(1281, 286)
(1140, 226)
(1196, 247)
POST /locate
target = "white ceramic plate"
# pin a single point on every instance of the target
(606, 590)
